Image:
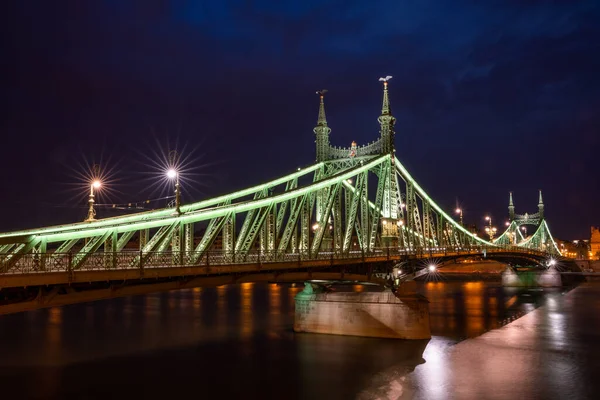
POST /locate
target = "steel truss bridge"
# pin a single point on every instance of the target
(351, 215)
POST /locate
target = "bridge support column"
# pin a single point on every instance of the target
(372, 314)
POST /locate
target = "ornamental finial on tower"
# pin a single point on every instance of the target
(385, 108)
(541, 201)
(541, 206)
(322, 120)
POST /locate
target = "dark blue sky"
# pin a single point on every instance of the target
(490, 97)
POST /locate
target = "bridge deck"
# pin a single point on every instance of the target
(57, 269)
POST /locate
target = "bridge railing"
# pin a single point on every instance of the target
(65, 262)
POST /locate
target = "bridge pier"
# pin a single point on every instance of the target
(548, 278)
(401, 315)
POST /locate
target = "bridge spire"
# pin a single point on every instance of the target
(511, 208)
(386, 120)
(322, 130)
(541, 206)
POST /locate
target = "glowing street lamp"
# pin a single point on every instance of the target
(91, 212)
(173, 174)
(490, 230)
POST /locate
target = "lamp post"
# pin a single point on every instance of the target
(91, 212)
(490, 230)
(173, 174)
(459, 211)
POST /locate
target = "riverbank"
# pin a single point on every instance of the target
(549, 353)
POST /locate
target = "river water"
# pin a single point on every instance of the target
(237, 342)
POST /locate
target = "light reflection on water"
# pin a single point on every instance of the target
(247, 327)
(246, 311)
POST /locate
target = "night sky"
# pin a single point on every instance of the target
(490, 97)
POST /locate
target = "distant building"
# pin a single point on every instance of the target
(595, 244)
(578, 249)
(568, 248)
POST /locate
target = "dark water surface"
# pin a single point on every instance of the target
(237, 342)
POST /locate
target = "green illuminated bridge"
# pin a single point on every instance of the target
(350, 216)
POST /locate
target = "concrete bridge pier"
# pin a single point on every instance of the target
(385, 314)
(546, 278)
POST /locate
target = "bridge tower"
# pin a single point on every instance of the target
(322, 130)
(386, 121)
(541, 207)
(390, 196)
(511, 208)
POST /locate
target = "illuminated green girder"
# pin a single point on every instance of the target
(278, 218)
(124, 239)
(90, 247)
(304, 225)
(283, 208)
(166, 241)
(323, 222)
(359, 236)
(22, 236)
(156, 243)
(337, 221)
(511, 236)
(250, 219)
(377, 211)
(412, 211)
(427, 234)
(363, 232)
(291, 227)
(19, 251)
(6, 248)
(110, 250)
(211, 233)
(267, 232)
(408, 178)
(359, 199)
(436, 220)
(144, 236)
(541, 240)
(39, 252)
(229, 235)
(402, 240)
(90, 230)
(177, 242)
(65, 247)
(254, 228)
(188, 244)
